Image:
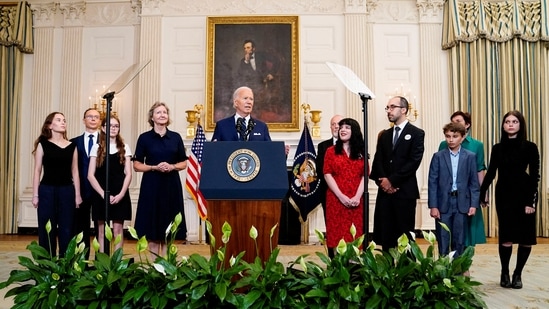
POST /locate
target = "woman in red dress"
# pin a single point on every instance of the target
(344, 175)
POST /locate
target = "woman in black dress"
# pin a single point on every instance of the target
(160, 156)
(120, 176)
(517, 162)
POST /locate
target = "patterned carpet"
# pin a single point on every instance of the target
(486, 269)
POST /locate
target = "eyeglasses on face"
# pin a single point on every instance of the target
(391, 107)
(114, 126)
(92, 116)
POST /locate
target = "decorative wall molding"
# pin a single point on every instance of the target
(73, 13)
(44, 14)
(360, 6)
(430, 11)
(247, 7)
(394, 12)
(94, 14)
(151, 7)
(113, 14)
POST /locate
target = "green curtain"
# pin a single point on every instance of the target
(15, 39)
(499, 61)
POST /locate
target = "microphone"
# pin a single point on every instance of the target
(240, 124)
(251, 125)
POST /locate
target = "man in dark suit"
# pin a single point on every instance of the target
(322, 147)
(398, 155)
(92, 121)
(241, 126)
(454, 190)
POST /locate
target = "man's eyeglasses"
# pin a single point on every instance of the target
(391, 107)
(92, 117)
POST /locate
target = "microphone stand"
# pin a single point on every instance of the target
(108, 97)
(366, 213)
(249, 129)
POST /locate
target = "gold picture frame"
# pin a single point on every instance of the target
(274, 78)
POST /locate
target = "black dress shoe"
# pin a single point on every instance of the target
(517, 282)
(505, 281)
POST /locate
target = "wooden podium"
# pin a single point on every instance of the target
(244, 184)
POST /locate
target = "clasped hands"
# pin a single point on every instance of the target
(387, 186)
(165, 167)
(350, 202)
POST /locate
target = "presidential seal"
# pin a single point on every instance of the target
(243, 165)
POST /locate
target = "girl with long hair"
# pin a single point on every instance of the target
(120, 177)
(517, 163)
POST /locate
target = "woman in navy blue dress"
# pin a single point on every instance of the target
(160, 155)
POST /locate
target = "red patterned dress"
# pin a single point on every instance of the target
(347, 174)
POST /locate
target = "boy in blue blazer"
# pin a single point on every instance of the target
(454, 190)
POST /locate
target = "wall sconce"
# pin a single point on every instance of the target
(313, 116)
(193, 115)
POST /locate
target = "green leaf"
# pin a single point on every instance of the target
(221, 291)
(251, 298)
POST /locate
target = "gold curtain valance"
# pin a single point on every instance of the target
(16, 26)
(494, 20)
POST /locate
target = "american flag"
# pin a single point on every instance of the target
(194, 168)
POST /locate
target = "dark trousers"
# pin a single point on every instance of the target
(56, 204)
(82, 219)
(393, 217)
(457, 223)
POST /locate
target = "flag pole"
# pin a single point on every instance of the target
(199, 230)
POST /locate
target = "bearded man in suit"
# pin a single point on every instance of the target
(399, 152)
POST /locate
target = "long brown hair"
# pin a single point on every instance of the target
(45, 132)
(103, 143)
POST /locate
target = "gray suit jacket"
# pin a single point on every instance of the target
(440, 181)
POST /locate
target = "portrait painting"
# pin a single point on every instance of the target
(258, 52)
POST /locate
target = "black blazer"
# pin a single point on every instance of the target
(322, 147)
(400, 164)
(86, 190)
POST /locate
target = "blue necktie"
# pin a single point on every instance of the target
(90, 143)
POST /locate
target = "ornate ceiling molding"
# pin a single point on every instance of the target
(252, 7)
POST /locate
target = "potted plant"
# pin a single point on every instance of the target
(405, 277)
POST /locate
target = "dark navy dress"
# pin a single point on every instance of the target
(161, 194)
